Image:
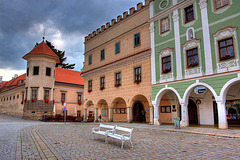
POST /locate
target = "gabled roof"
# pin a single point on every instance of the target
(1, 84)
(14, 81)
(42, 49)
(68, 76)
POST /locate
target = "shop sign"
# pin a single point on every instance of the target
(200, 90)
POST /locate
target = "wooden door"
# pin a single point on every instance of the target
(192, 112)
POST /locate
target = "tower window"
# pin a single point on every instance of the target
(35, 70)
(48, 71)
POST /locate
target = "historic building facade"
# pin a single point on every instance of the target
(195, 61)
(43, 89)
(117, 69)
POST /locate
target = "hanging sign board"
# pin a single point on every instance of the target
(200, 90)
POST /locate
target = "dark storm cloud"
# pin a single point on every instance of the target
(70, 17)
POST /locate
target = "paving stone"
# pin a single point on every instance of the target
(20, 139)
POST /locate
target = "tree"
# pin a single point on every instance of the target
(61, 55)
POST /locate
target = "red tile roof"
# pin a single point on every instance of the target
(61, 75)
(68, 76)
(43, 49)
(1, 84)
(14, 81)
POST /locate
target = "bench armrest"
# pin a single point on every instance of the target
(126, 134)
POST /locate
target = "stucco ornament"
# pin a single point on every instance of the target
(191, 43)
(203, 4)
(151, 28)
(226, 32)
(175, 16)
(166, 52)
(163, 4)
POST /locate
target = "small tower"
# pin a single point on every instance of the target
(40, 80)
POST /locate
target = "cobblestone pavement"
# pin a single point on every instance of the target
(38, 140)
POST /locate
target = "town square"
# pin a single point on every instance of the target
(147, 79)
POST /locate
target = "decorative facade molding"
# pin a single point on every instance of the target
(195, 71)
(163, 7)
(203, 4)
(228, 65)
(175, 17)
(232, 64)
(225, 32)
(191, 43)
(151, 28)
(168, 76)
(166, 52)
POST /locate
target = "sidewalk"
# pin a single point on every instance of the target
(205, 130)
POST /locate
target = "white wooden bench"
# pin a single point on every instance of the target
(121, 133)
(102, 130)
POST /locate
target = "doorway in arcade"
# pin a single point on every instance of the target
(169, 108)
(202, 109)
(233, 105)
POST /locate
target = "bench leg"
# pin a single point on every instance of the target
(106, 140)
(122, 144)
(131, 143)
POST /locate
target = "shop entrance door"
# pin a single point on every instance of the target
(138, 112)
(192, 112)
(79, 115)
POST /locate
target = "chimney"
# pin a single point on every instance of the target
(1, 79)
(125, 14)
(15, 76)
(147, 2)
(119, 18)
(139, 5)
(131, 10)
(102, 28)
(107, 24)
(113, 21)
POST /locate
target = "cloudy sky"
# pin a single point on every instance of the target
(66, 23)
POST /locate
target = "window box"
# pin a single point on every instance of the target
(89, 90)
(193, 65)
(79, 103)
(101, 88)
(22, 102)
(166, 70)
(137, 81)
(117, 85)
(227, 56)
(34, 99)
(25, 100)
(46, 100)
(53, 101)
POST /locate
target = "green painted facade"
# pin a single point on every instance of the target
(226, 17)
